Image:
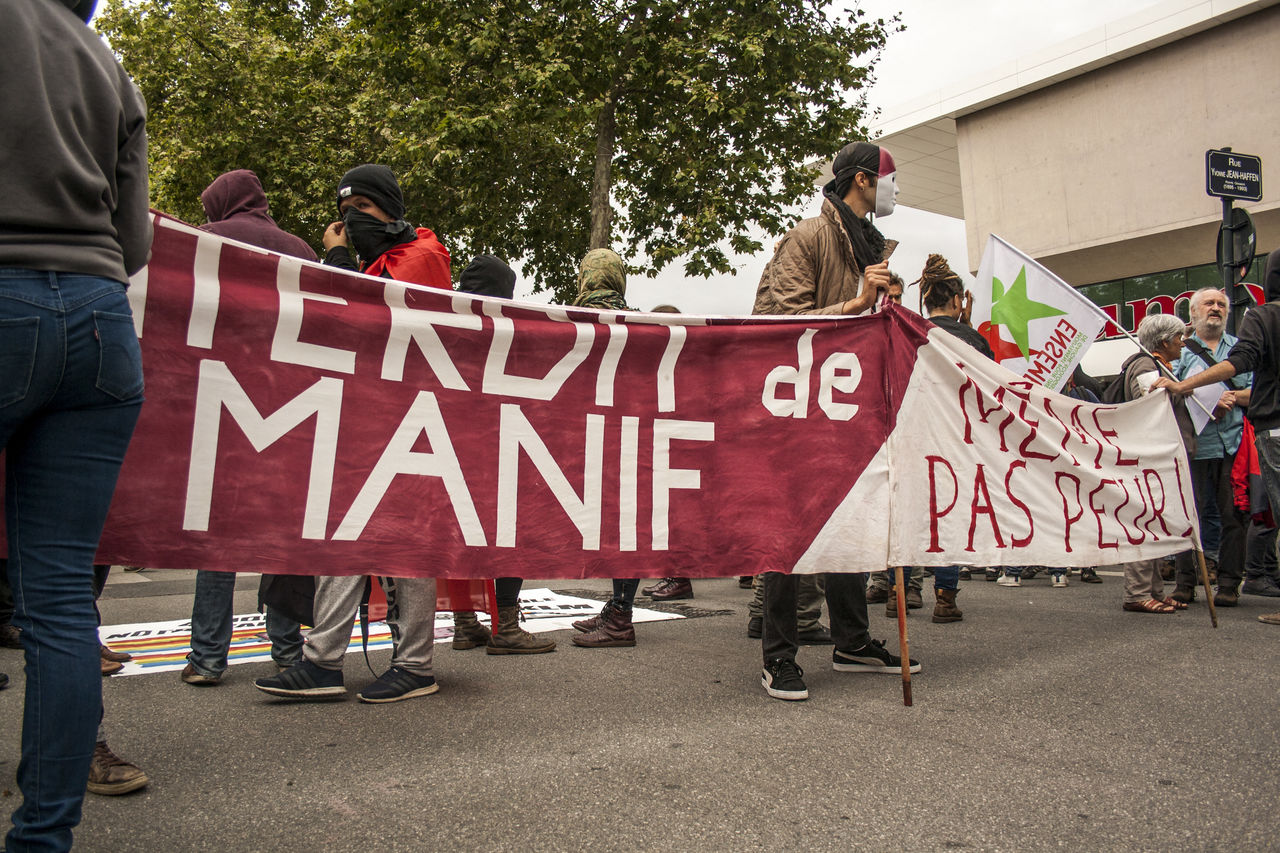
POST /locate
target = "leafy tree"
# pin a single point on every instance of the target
(533, 129)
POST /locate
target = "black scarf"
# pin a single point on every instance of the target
(371, 236)
(866, 239)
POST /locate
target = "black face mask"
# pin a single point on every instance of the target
(371, 236)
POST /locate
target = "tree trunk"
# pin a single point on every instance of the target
(602, 183)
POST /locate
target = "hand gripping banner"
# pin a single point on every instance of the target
(302, 419)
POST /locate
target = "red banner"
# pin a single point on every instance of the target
(302, 419)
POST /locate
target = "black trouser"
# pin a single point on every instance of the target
(1260, 552)
(507, 591)
(1211, 482)
(846, 605)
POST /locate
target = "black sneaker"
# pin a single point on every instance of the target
(304, 680)
(396, 684)
(782, 680)
(873, 657)
(992, 574)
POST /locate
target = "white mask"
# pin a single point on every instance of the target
(886, 194)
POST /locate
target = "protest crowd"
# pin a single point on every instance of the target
(74, 231)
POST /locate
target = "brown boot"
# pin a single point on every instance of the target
(672, 589)
(914, 601)
(944, 608)
(111, 654)
(468, 633)
(111, 775)
(111, 667)
(891, 604)
(614, 630)
(511, 639)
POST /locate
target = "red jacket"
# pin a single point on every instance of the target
(425, 260)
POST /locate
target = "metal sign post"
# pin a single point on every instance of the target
(1229, 176)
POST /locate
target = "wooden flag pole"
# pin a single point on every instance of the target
(1208, 593)
(899, 591)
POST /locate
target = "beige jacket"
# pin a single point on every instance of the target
(812, 270)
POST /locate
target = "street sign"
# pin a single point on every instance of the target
(1231, 175)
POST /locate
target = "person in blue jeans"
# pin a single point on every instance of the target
(212, 615)
(74, 226)
(236, 206)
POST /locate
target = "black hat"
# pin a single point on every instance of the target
(82, 8)
(376, 183)
(488, 276)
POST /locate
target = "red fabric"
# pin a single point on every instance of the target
(424, 261)
(1246, 480)
(451, 595)
(274, 396)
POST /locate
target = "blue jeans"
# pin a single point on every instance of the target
(70, 394)
(946, 577)
(212, 614)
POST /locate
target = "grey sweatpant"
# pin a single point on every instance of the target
(411, 615)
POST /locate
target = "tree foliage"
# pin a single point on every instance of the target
(532, 129)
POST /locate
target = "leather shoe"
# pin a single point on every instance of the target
(1226, 597)
(1264, 585)
(746, 581)
(914, 601)
(877, 595)
(112, 655)
(673, 589)
(10, 637)
(110, 667)
(4, 681)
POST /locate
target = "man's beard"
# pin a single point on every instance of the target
(1210, 328)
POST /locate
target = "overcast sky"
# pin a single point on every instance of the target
(945, 42)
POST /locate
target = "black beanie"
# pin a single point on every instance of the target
(488, 276)
(376, 183)
(82, 8)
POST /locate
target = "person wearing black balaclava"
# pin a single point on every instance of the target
(372, 211)
(833, 263)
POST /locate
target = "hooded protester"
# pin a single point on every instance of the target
(487, 275)
(372, 210)
(602, 281)
(74, 226)
(237, 208)
(833, 263)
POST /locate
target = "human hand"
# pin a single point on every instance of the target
(335, 235)
(1177, 389)
(966, 308)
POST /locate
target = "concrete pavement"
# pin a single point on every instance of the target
(1047, 719)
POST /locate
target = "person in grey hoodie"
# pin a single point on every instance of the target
(73, 227)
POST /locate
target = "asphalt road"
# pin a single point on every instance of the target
(1047, 719)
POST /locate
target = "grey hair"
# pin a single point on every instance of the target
(1198, 296)
(1155, 329)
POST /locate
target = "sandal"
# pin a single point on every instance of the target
(1175, 604)
(1150, 605)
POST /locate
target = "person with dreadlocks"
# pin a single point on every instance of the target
(943, 296)
(602, 283)
(834, 263)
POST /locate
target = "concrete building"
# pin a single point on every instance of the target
(1090, 156)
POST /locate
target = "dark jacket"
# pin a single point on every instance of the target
(964, 333)
(236, 207)
(1258, 349)
(73, 148)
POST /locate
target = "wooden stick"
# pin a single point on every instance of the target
(899, 591)
(1208, 593)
